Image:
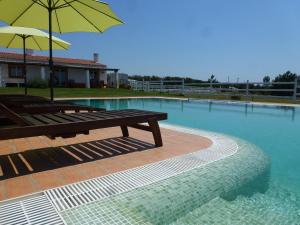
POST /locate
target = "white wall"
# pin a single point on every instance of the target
(34, 72)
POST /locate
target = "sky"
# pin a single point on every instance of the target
(236, 39)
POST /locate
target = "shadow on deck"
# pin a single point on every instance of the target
(38, 160)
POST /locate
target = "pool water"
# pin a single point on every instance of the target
(274, 129)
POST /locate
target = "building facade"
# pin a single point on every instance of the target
(68, 72)
(117, 80)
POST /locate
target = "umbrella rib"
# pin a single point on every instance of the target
(64, 5)
(57, 20)
(84, 17)
(11, 41)
(22, 13)
(40, 3)
(100, 11)
(58, 43)
(36, 43)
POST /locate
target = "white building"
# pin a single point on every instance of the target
(117, 79)
(68, 72)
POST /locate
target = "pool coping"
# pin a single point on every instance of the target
(185, 99)
(123, 97)
(223, 146)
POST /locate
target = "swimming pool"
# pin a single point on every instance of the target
(275, 129)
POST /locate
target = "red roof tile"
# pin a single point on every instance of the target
(39, 58)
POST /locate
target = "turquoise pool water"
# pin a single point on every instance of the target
(274, 129)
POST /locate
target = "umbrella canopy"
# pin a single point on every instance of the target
(59, 16)
(12, 37)
(21, 37)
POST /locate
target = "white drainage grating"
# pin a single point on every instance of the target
(34, 210)
(73, 195)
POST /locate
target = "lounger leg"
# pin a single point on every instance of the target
(125, 131)
(156, 132)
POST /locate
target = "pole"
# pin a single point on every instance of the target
(50, 52)
(295, 89)
(24, 64)
(247, 88)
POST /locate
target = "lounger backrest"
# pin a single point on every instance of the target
(12, 115)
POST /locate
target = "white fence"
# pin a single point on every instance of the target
(245, 88)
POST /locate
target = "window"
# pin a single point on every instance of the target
(60, 77)
(15, 71)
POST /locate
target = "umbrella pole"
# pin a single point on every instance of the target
(50, 53)
(24, 64)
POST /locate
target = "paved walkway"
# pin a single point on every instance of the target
(86, 165)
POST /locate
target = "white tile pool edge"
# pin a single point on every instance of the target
(186, 99)
(74, 195)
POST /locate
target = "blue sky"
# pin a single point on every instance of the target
(196, 38)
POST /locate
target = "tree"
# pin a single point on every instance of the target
(266, 79)
(286, 77)
(212, 79)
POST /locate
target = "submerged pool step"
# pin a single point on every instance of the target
(34, 210)
(73, 195)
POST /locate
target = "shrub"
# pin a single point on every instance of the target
(37, 83)
(235, 97)
(124, 86)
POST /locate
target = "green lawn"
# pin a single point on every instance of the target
(110, 92)
(82, 92)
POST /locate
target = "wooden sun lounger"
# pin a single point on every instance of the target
(36, 104)
(70, 124)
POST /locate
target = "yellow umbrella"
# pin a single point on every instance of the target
(22, 37)
(59, 16)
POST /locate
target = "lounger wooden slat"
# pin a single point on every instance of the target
(101, 116)
(80, 116)
(44, 119)
(64, 127)
(56, 118)
(90, 116)
(36, 104)
(67, 117)
(33, 121)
